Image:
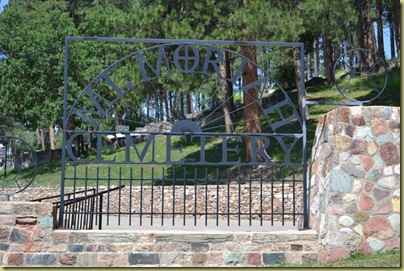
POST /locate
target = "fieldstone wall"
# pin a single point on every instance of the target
(287, 198)
(355, 181)
(28, 239)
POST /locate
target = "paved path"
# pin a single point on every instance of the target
(156, 224)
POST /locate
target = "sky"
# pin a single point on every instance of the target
(386, 33)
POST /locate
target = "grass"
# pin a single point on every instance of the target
(391, 258)
(49, 174)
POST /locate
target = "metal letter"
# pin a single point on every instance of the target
(186, 58)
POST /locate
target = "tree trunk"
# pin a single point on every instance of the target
(397, 25)
(38, 136)
(380, 38)
(227, 93)
(365, 32)
(189, 103)
(392, 41)
(251, 111)
(52, 137)
(116, 118)
(308, 67)
(42, 139)
(316, 59)
(182, 105)
(328, 60)
(167, 102)
(161, 100)
(298, 72)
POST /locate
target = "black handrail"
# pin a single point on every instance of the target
(79, 203)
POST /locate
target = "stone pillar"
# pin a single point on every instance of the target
(354, 181)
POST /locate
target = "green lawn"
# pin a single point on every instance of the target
(391, 258)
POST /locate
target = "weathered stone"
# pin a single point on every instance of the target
(389, 154)
(339, 181)
(344, 156)
(369, 186)
(394, 125)
(366, 202)
(397, 169)
(394, 220)
(352, 208)
(358, 146)
(388, 171)
(349, 197)
(355, 160)
(197, 247)
(396, 193)
(28, 220)
(68, 258)
(4, 246)
(254, 259)
(234, 258)
(364, 132)
(196, 238)
(24, 209)
(333, 254)
(309, 257)
(45, 221)
(335, 198)
(100, 248)
(143, 258)
(364, 248)
(18, 236)
(271, 258)
(350, 130)
(342, 142)
(357, 186)
(346, 221)
(346, 231)
(296, 247)
(198, 259)
(358, 120)
(335, 210)
(378, 227)
(86, 259)
(383, 139)
(105, 259)
(382, 208)
(393, 244)
(379, 194)
(352, 170)
(375, 243)
(15, 259)
(374, 175)
(396, 204)
(367, 163)
(6, 208)
(60, 237)
(379, 126)
(41, 259)
(214, 259)
(359, 229)
(360, 217)
(277, 237)
(372, 148)
(76, 248)
(389, 182)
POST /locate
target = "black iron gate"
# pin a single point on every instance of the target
(195, 131)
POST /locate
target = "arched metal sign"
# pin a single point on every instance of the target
(192, 115)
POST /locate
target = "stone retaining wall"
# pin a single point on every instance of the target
(27, 239)
(246, 196)
(355, 181)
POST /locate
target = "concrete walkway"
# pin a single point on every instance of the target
(122, 223)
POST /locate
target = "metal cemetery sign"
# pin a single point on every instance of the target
(171, 114)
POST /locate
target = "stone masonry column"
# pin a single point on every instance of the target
(354, 181)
